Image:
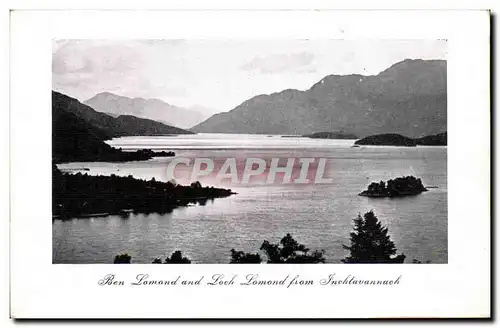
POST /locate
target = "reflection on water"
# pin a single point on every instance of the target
(319, 216)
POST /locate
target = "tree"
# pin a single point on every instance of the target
(177, 258)
(415, 261)
(290, 251)
(196, 184)
(122, 259)
(238, 257)
(370, 242)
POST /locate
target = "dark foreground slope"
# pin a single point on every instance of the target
(76, 140)
(76, 195)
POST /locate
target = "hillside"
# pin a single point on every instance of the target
(76, 140)
(123, 125)
(407, 98)
(153, 109)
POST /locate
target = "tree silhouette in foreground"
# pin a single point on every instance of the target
(415, 261)
(122, 259)
(177, 258)
(290, 251)
(370, 242)
(238, 257)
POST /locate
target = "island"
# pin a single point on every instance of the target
(388, 139)
(331, 135)
(393, 139)
(433, 140)
(83, 195)
(399, 187)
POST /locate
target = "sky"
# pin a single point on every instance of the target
(218, 75)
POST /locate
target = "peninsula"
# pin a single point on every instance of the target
(83, 195)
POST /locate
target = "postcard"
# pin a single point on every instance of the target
(204, 139)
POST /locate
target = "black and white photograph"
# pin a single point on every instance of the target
(249, 151)
(317, 138)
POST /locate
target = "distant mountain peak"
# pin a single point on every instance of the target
(112, 126)
(408, 98)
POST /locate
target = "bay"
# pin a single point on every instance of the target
(317, 215)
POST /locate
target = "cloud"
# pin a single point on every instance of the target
(70, 65)
(218, 73)
(279, 63)
(93, 57)
(307, 70)
(83, 68)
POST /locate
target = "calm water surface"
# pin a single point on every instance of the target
(319, 216)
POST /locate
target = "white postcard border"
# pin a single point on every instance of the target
(460, 288)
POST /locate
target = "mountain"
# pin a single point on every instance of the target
(207, 111)
(72, 136)
(154, 109)
(408, 98)
(123, 125)
(75, 139)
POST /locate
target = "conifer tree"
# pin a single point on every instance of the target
(370, 242)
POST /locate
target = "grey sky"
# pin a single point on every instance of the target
(219, 74)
